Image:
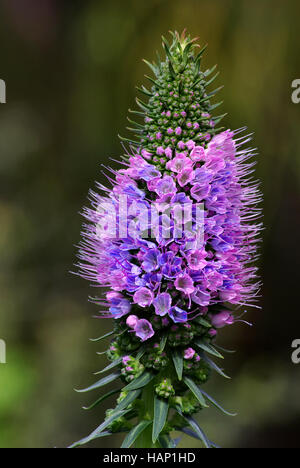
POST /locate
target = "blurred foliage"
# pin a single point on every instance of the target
(71, 70)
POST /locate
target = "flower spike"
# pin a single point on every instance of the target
(171, 248)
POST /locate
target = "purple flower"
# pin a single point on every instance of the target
(165, 185)
(119, 306)
(189, 353)
(185, 176)
(150, 262)
(196, 259)
(179, 163)
(162, 304)
(184, 283)
(222, 319)
(201, 297)
(178, 315)
(149, 172)
(197, 153)
(144, 330)
(131, 321)
(143, 297)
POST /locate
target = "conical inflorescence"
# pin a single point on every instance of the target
(172, 243)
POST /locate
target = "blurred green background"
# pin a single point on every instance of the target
(71, 70)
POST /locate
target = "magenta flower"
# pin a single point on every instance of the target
(184, 283)
(162, 304)
(179, 163)
(131, 321)
(143, 329)
(222, 319)
(196, 259)
(189, 353)
(178, 315)
(143, 297)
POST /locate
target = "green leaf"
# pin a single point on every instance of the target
(195, 390)
(196, 428)
(141, 352)
(128, 400)
(161, 408)
(140, 382)
(178, 363)
(212, 79)
(102, 398)
(229, 351)
(163, 342)
(217, 405)
(106, 380)
(102, 337)
(152, 67)
(115, 363)
(214, 366)
(99, 431)
(204, 322)
(214, 106)
(209, 349)
(134, 434)
(166, 441)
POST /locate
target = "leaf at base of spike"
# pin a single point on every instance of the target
(113, 364)
(134, 434)
(140, 382)
(161, 408)
(217, 405)
(99, 431)
(195, 390)
(102, 398)
(178, 363)
(214, 366)
(133, 395)
(201, 435)
(106, 380)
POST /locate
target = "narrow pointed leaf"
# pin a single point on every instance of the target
(99, 431)
(228, 351)
(140, 382)
(217, 405)
(194, 425)
(152, 67)
(209, 349)
(102, 398)
(178, 363)
(204, 322)
(113, 364)
(106, 380)
(128, 400)
(166, 441)
(214, 366)
(102, 337)
(134, 434)
(161, 408)
(196, 391)
(163, 342)
(211, 80)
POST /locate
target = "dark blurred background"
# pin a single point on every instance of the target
(71, 68)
